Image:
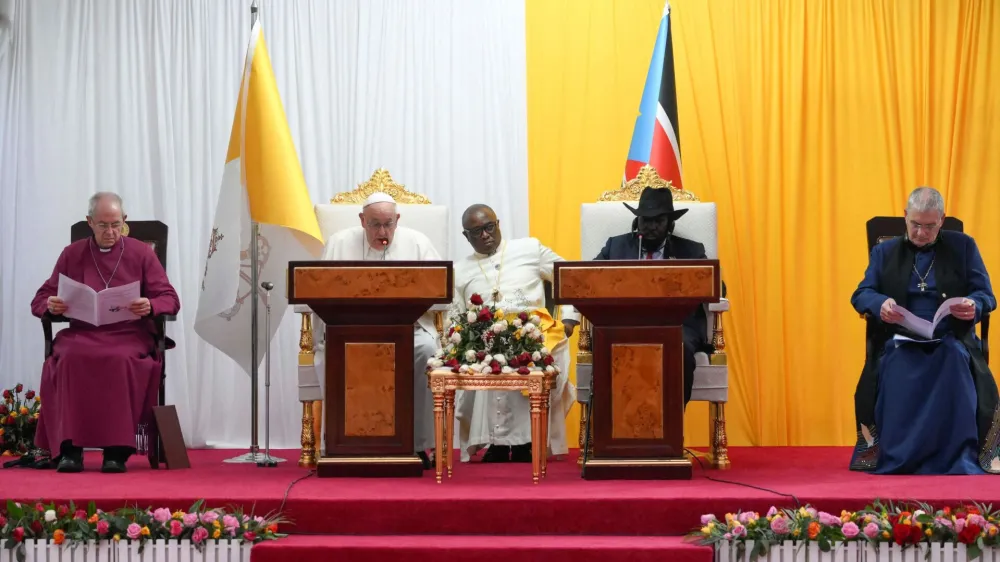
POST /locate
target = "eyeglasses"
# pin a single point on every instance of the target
(488, 228)
(376, 226)
(928, 227)
(111, 226)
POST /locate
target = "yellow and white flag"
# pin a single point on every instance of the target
(262, 180)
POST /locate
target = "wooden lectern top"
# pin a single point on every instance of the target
(618, 281)
(327, 282)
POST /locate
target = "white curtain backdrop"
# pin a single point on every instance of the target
(138, 98)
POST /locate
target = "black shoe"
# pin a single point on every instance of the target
(112, 466)
(70, 464)
(520, 453)
(115, 459)
(497, 453)
(425, 460)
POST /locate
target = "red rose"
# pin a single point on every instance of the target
(39, 507)
(523, 316)
(18, 534)
(972, 510)
(523, 371)
(62, 511)
(7, 394)
(476, 299)
(80, 514)
(3, 410)
(494, 365)
(906, 534)
(514, 363)
(3, 521)
(36, 527)
(480, 355)
(455, 370)
(451, 330)
(484, 315)
(969, 534)
(452, 362)
(19, 388)
(548, 360)
(30, 395)
(249, 536)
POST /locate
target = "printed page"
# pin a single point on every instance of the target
(944, 310)
(112, 304)
(914, 323)
(81, 300)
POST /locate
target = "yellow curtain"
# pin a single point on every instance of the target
(801, 119)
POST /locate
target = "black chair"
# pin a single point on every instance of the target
(154, 233)
(881, 229)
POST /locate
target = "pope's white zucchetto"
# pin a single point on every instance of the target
(378, 197)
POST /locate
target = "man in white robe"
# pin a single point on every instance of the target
(510, 274)
(381, 238)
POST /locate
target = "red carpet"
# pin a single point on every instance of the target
(494, 500)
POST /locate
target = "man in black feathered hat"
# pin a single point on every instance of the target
(652, 238)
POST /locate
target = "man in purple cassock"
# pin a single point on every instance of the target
(98, 380)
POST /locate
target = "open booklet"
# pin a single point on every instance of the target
(921, 327)
(97, 308)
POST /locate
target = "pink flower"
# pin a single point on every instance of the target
(246, 518)
(977, 520)
(850, 530)
(829, 520)
(739, 531)
(260, 520)
(176, 528)
(134, 531)
(959, 525)
(230, 523)
(944, 522)
(772, 512)
(780, 525)
(190, 519)
(209, 517)
(744, 517)
(812, 512)
(162, 515)
(728, 536)
(705, 519)
(249, 536)
(102, 527)
(199, 535)
(871, 530)
(80, 514)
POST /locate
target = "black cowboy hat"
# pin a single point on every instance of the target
(655, 202)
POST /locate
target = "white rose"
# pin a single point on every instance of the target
(484, 368)
(500, 359)
(456, 337)
(507, 370)
(50, 516)
(550, 369)
(463, 369)
(470, 316)
(470, 356)
(431, 361)
(536, 356)
(497, 328)
(534, 319)
(544, 351)
(538, 336)
(518, 323)
(439, 353)
(437, 363)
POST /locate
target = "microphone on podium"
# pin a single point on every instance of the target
(384, 244)
(640, 247)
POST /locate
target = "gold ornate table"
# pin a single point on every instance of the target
(444, 383)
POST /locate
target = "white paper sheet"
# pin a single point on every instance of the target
(922, 327)
(97, 308)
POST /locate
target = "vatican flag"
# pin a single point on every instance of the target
(262, 182)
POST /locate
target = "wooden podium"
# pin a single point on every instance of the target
(636, 308)
(369, 309)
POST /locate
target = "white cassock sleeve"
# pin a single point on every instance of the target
(546, 259)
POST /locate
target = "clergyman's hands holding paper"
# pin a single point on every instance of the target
(140, 307)
(965, 310)
(56, 306)
(889, 314)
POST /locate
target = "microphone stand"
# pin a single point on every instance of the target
(266, 460)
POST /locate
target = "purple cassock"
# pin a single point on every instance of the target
(98, 380)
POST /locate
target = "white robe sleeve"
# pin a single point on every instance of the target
(546, 259)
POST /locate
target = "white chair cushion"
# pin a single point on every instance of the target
(601, 221)
(431, 220)
(711, 382)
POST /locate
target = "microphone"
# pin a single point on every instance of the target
(384, 244)
(267, 285)
(640, 247)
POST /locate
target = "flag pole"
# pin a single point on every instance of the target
(254, 454)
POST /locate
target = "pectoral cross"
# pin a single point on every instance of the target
(922, 286)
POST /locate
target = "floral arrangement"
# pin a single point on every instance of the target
(18, 421)
(68, 524)
(482, 339)
(974, 525)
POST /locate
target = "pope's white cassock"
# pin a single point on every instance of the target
(407, 245)
(517, 270)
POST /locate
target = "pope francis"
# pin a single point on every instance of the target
(379, 237)
(510, 274)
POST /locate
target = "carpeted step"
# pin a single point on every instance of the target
(457, 548)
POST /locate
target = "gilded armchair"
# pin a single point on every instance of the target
(416, 212)
(608, 217)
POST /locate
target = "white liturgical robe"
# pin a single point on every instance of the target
(517, 270)
(407, 245)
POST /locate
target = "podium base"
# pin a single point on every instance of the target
(405, 466)
(637, 469)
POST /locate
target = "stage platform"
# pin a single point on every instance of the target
(563, 516)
